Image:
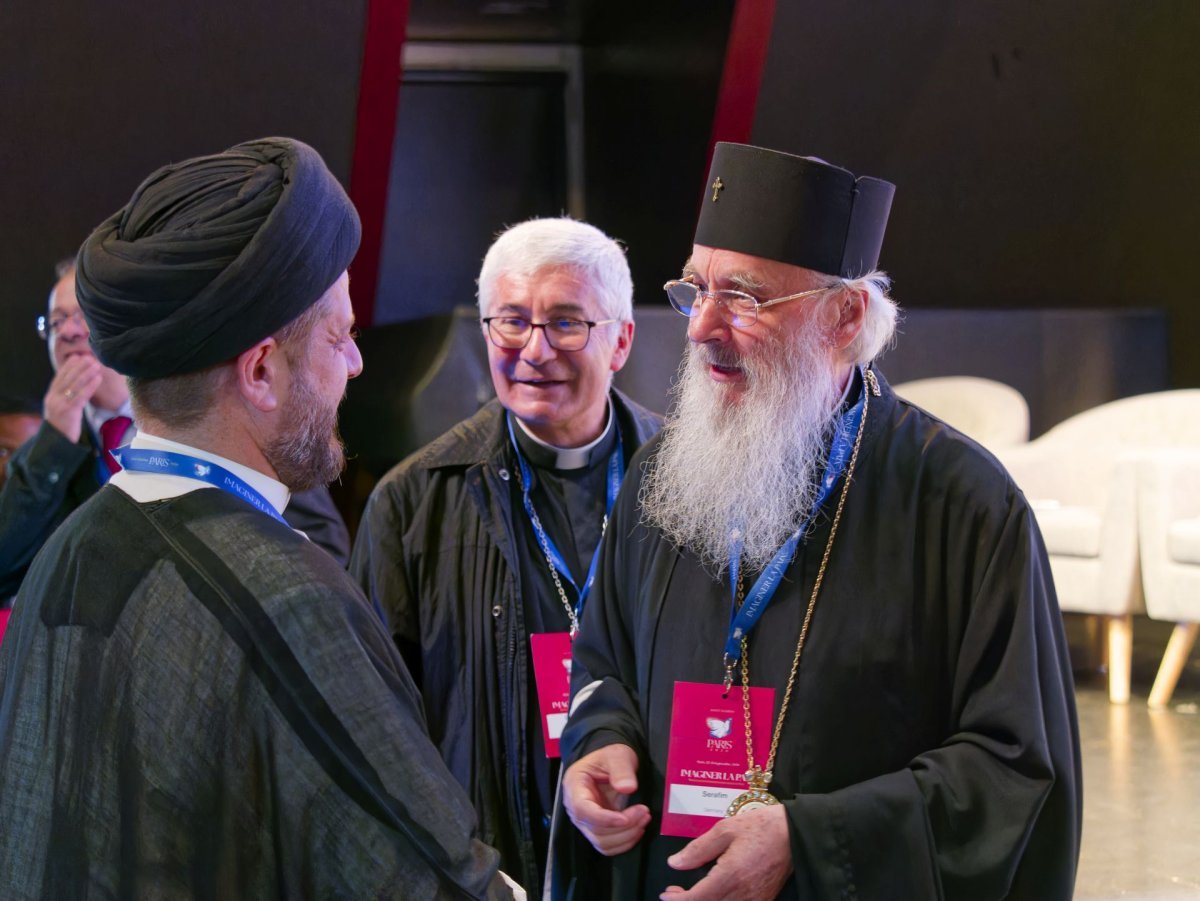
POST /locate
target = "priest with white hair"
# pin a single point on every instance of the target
(823, 656)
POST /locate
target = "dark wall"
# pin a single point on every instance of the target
(1045, 154)
(93, 96)
(473, 152)
(651, 73)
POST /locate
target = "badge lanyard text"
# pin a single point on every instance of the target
(554, 558)
(175, 464)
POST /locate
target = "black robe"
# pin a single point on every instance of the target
(195, 701)
(931, 748)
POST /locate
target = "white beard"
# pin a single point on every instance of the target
(752, 462)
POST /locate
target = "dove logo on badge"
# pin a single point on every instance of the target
(718, 731)
(202, 470)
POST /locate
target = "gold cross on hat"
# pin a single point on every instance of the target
(717, 186)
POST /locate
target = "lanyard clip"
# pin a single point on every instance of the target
(728, 663)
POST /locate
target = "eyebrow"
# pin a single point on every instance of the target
(557, 311)
(745, 281)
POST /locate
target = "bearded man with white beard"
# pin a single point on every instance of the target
(824, 657)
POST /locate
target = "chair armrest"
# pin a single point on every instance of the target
(1168, 490)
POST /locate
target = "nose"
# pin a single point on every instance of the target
(706, 324)
(354, 361)
(74, 326)
(538, 350)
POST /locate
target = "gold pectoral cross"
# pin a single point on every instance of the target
(717, 186)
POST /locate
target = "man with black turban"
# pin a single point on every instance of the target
(823, 656)
(194, 700)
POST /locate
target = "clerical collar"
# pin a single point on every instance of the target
(145, 487)
(547, 456)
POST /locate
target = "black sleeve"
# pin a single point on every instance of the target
(604, 675)
(995, 810)
(378, 564)
(313, 513)
(33, 502)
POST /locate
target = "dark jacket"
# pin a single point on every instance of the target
(48, 478)
(435, 553)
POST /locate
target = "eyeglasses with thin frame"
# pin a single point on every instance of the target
(737, 308)
(49, 326)
(514, 332)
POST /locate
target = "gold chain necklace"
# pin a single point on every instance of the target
(758, 778)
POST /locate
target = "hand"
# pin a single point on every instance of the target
(753, 854)
(596, 789)
(70, 390)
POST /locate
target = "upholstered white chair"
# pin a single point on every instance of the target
(1081, 478)
(993, 413)
(1169, 535)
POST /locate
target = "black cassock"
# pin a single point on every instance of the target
(195, 701)
(931, 748)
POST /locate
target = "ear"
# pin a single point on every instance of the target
(851, 316)
(623, 346)
(261, 371)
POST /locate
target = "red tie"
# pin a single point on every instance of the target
(111, 432)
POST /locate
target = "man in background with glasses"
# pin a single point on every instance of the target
(480, 547)
(823, 657)
(87, 415)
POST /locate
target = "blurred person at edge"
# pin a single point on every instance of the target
(19, 421)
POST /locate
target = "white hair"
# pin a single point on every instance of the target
(879, 325)
(538, 244)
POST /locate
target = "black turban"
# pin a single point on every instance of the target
(212, 255)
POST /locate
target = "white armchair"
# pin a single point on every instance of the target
(1081, 478)
(1169, 535)
(993, 413)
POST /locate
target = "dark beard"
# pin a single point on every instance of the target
(309, 451)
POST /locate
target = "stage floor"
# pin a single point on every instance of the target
(1141, 771)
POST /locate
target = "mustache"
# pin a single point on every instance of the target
(716, 355)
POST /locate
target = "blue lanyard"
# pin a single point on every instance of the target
(616, 474)
(742, 620)
(173, 464)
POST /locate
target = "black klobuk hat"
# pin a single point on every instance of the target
(794, 209)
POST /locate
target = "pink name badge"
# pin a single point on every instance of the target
(706, 759)
(552, 673)
(3, 622)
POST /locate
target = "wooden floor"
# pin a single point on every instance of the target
(1141, 771)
